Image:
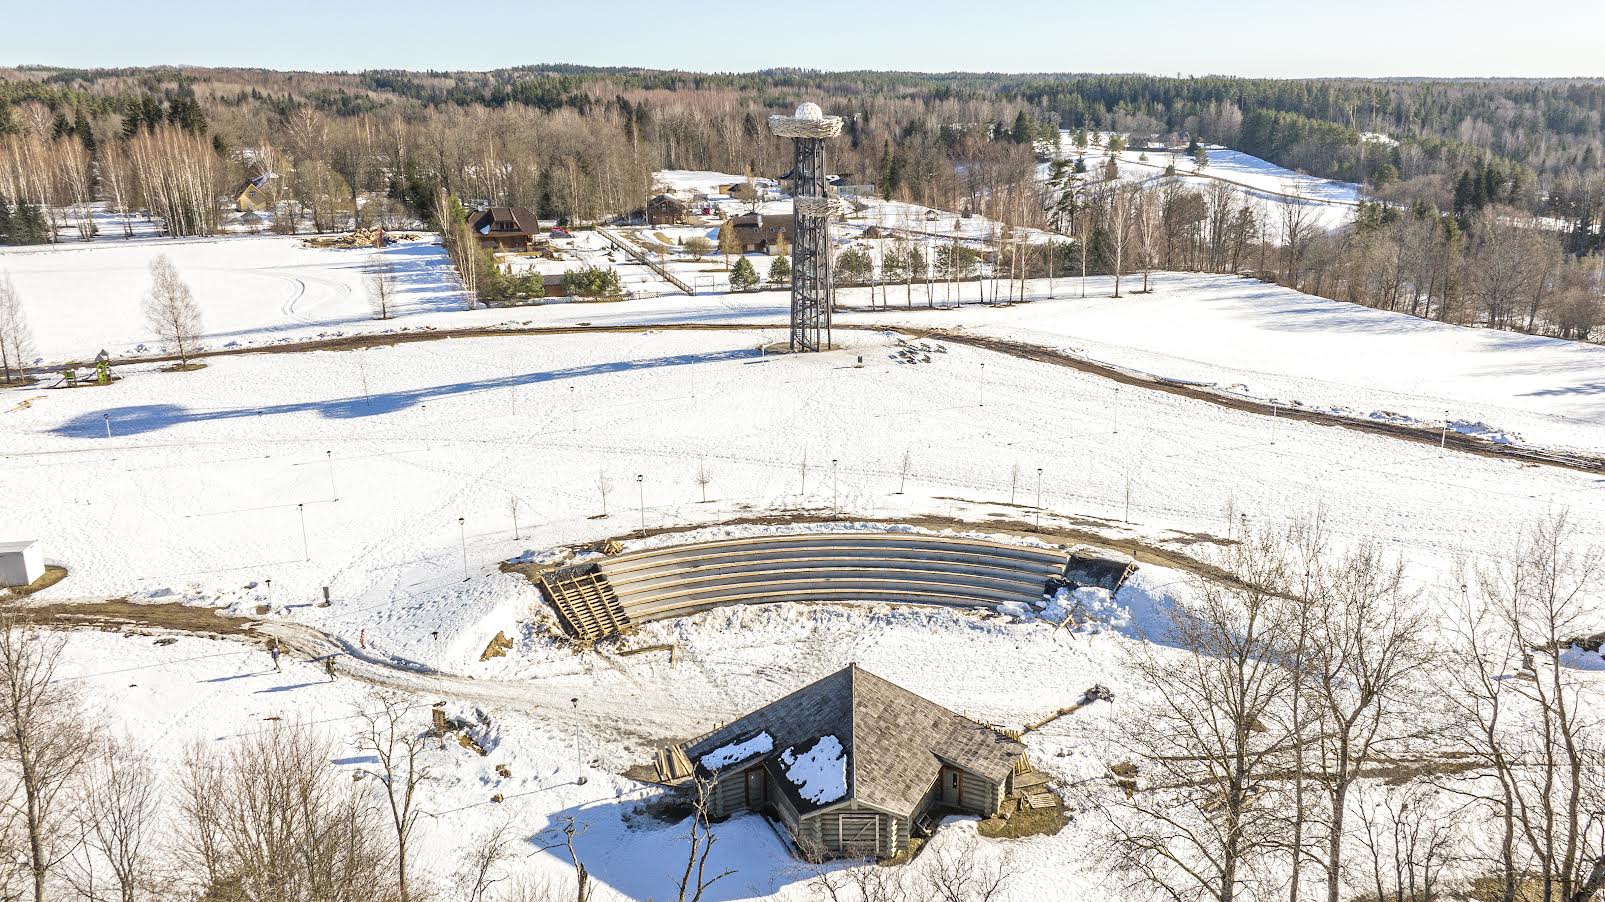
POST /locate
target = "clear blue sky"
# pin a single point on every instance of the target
(1247, 37)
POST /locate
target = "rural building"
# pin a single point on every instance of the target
(505, 228)
(21, 563)
(248, 197)
(665, 210)
(852, 763)
(760, 233)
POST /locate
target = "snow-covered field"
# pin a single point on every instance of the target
(1328, 203)
(82, 297)
(389, 475)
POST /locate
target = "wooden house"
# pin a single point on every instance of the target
(760, 233)
(851, 764)
(249, 197)
(665, 210)
(505, 228)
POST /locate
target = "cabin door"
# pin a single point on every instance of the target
(950, 787)
(755, 788)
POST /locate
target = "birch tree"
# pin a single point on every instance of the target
(170, 308)
(16, 340)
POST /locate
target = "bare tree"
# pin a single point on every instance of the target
(272, 818)
(958, 875)
(1366, 646)
(480, 868)
(48, 747)
(119, 807)
(1409, 837)
(694, 881)
(1200, 819)
(512, 508)
(170, 308)
(903, 468)
(398, 769)
(604, 484)
(16, 340)
(380, 283)
(703, 479)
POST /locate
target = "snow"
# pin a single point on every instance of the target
(1331, 203)
(202, 493)
(726, 755)
(81, 297)
(820, 774)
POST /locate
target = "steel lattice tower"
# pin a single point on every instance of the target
(812, 207)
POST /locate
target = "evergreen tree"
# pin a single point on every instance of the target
(61, 128)
(81, 128)
(1200, 158)
(1193, 147)
(1465, 192)
(5, 221)
(1081, 165)
(743, 277)
(1081, 138)
(8, 123)
(1024, 131)
(780, 271)
(891, 171)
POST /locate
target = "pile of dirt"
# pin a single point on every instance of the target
(359, 238)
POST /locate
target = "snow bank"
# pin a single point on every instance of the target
(727, 755)
(820, 774)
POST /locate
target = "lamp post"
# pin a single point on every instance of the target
(1443, 438)
(333, 492)
(983, 385)
(1117, 408)
(579, 764)
(640, 493)
(462, 536)
(835, 494)
(1039, 499)
(306, 550)
(107, 418)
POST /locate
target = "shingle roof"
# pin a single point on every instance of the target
(895, 741)
(525, 220)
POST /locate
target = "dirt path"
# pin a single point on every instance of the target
(1417, 434)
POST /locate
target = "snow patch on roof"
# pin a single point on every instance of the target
(820, 774)
(726, 755)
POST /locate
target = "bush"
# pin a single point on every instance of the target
(592, 282)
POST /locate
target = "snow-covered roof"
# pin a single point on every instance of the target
(855, 735)
(736, 752)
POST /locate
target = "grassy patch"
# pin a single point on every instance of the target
(190, 367)
(53, 575)
(1023, 823)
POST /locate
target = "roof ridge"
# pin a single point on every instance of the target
(851, 745)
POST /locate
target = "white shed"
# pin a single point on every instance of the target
(21, 563)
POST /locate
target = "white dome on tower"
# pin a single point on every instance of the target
(809, 110)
